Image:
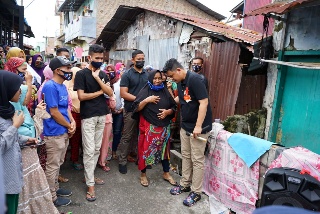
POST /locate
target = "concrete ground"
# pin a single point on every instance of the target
(123, 194)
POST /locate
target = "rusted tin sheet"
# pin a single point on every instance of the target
(277, 7)
(230, 92)
(214, 27)
(224, 77)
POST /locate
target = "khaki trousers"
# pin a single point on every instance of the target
(56, 150)
(129, 136)
(192, 151)
(92, 132)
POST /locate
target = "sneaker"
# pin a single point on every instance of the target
(192, 199)
(61, 202)
(63, 192)
(123, 169)
(179, 189)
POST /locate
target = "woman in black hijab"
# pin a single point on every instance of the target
(156, 107)
(10, 140)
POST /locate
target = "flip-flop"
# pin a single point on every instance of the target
(77, 166)
(92, 197)
(171, 181)
(144, 181)
(62, 179)
(105, 168)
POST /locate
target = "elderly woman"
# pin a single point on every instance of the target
(156, 107)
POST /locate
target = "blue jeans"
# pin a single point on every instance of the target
(117, 130)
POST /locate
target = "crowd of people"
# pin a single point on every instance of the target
(104, 112)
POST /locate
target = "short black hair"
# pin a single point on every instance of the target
(197, 58)
(59, 50)
(136, 52)
(95, 48)
(171, 65)
(28, 57)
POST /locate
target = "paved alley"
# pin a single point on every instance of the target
(123, 194)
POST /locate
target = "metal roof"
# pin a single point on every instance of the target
(9, 15)
(71, 5)
(207, 10)
(278, 7)
(239, 8)
(125, 16)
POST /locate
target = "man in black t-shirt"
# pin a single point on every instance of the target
(132, 81)
(196, 118)
(91, 84)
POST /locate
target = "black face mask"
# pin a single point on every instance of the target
(39, 64)
(139, 64)
(66, 75)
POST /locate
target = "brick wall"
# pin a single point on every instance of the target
(107, 8)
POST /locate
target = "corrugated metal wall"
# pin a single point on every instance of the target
(230, 92)
(256, 22)
(224, 77)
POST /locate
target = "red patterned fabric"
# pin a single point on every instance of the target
(76, 139)
(13, 63)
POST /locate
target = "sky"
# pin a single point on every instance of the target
(40, 16)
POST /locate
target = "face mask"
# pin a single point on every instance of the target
(139, 64)
(39, 64)
(112, 75)
(155, 87)
(196, 68)
(66, 75)
(21, 74)
(96, 65)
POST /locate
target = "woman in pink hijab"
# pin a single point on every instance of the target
(120, 69)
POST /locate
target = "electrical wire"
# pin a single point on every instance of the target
(29, 4)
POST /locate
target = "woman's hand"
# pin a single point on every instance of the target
(153, 99)
(18, 119)
(42, 105)
(164, 113)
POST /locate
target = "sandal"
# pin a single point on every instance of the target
(114, 156)
(77, 166)
(92, 197)
(62, 179)
(170, 180)
(131, 159)
(144, 181)
(105, 168)
(97, 181)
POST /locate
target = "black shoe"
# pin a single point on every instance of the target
(192, 199)
(179, 189)
(123, 169)
(149, 167)
(63, 192)
(61, 202)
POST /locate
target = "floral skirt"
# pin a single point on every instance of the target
(35, 196)
(153, 144)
